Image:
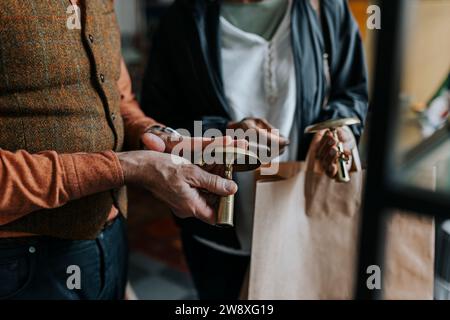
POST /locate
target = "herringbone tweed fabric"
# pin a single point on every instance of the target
(58, 91)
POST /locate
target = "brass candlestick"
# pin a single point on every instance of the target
(235, 160)
(332, 126)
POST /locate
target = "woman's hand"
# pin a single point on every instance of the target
(265, 133)
(327, 151)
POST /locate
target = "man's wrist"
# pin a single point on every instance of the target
(138, 166)
(128, 165)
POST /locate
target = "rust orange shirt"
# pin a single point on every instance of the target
(30, 182)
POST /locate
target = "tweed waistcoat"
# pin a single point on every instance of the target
(58, 91)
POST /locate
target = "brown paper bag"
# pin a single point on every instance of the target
(305, 241)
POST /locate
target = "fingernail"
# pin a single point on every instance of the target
(230, 186)
(331, 142)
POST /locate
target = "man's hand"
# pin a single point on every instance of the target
(179, 145)
(264, 130)
(176, 183)
(327, 151)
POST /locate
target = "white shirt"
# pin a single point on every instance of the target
(259, 81)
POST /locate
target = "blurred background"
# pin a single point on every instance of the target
(157, 266)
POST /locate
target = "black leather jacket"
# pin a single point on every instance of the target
(183, 80)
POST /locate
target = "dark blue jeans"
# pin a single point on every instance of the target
(48, 268)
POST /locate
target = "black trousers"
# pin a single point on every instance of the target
(47, 268)
(216, 274)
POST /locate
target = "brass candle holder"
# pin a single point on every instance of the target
(332, 126)
(235, 160)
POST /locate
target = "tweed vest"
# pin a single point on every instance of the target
(58, 91)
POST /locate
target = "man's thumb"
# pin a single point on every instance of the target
(217, 185)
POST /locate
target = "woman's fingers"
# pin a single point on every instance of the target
(263, 123)
(330, 159)
(346, 136)
(325, 145)
(275, 143)
(332, 170)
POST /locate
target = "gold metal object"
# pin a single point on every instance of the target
(225, 211)
(235, 160)
(332, 126)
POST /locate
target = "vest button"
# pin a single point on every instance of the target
(31, 249)
(113, 116)
(102, 77)
(91, 38)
